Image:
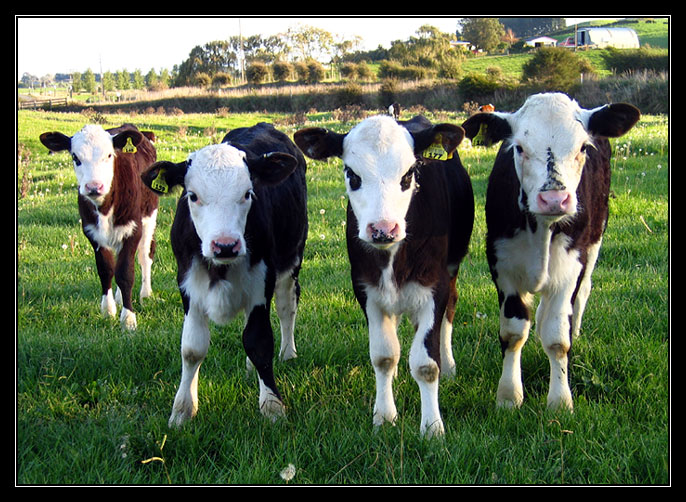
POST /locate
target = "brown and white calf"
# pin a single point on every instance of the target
(546, 212)
(409, 223)
(118, 214)
(238, 237)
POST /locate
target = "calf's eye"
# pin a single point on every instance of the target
(76, 159)
(353, 179)
(192, 197)
(406, 180)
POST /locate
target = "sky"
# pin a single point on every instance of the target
(49, 45)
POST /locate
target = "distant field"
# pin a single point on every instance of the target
(92, 402)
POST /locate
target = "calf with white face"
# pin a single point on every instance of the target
(238, 238)
(409, 224)
(546, 211)
(118, 214)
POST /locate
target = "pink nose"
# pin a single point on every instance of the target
(383, 232)
(226, 247)
(554, 201)
(94, 188)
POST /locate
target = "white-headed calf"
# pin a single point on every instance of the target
(546, 211)
(118, 214)
(409, 224)
(238, 237)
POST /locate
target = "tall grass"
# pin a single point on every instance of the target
(92, 401)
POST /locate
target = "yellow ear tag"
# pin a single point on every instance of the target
(436, 150)
(129, 147)
(159, 184)
(480, 138)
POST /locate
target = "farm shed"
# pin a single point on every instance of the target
(541, 42)
(620, 38)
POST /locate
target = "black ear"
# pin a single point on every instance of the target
(162, 176)
(318, 143)
(55, 141)
(613, 120)
(438, 142)
(271, 168)
(127, 141)
(488, 128)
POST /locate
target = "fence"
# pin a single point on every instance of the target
(43, 103)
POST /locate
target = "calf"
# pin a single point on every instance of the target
(238, 237)
(118, 214)
(546, 211)
(409, 224)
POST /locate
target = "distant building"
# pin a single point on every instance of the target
(599, 38)
(541, 42)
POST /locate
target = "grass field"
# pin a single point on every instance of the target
(92, 401)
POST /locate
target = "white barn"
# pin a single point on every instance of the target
(620, 38)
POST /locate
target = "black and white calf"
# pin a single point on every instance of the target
(546, 211)
(118, 214)
(238, 237)
(409, 223)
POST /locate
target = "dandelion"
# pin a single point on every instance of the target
(322, 211)
(288, 473)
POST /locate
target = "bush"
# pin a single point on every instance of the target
(642, 59)
(553, 69)
(315, 72)
(220, 79)
(202, 80)
(476, 85)
(391, 69)
(282, 71)
(349, 71)
(257, 72)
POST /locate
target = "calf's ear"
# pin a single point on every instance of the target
(127, 141)
(319, 143)
(162, 176)
(55, 141)
(612, 120)
(487, 128)
(271, 168)
(438, 142)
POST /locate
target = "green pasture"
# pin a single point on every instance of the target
(92, 401)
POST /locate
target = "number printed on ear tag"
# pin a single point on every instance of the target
(159, 184)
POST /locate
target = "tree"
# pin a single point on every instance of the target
(308, 42)
(89, 83)
(483, 32)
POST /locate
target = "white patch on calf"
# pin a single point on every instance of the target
(380, 152)
(219, 193)
(548, 142)
(93, 155)
(106, 234)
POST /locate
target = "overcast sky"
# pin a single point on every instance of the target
(49, 45)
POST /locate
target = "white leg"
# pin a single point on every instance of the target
(514, 331)
(128, 319)
(447, 361)
(144, 259)
(195, 341)
(108, 306)
(285, 298)
(552, 325)
(584, 288)
(384, 351)
(270, 405)
(425, 371)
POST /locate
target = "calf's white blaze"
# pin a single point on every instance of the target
(219, 191)
(93, 154)
(380, 152)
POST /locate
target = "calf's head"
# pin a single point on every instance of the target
(550, 136)
(380, 158)
(219, 182)
(93, 151)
